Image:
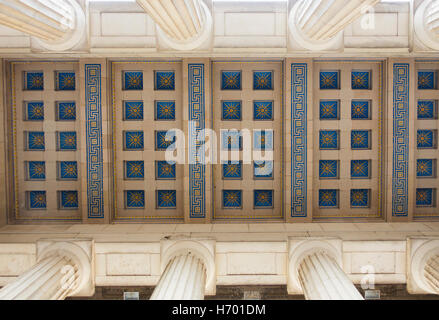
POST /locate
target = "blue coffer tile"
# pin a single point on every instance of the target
(232, 199)
(35, 141)
(67, 170)
(231, 110)
(328, 198)
(165, 140)
(263, 140)
(262, 110)
(135, 199)
(329, 109)
(360, 139)
(427, 80)
(426, 139)
(165, 110)
(165, 170)
(37, 200)
(133, 80)
(65, 81)
(360, 198)
(329, 139)
(232, 170)
(133, 140)
(34, 111)
(426, 168)
(34, 81)
(133, 110)
(134, 170)
(427, 109)
(361, 109)
(425, 197)
(66, 111)
(36, 170)
(231, 140)
(166, 199)
(329, 80)
(263, 80)
(361, 80)
(328, 169)
(263, 169)
(68, 200)
(164, 80)
(67, 141)
(263, 199)
(360, 169)
(230, 80)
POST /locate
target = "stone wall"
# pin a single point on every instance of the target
(257, 29)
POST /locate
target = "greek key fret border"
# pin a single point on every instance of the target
(401, 79)
(197, 115)
(95, 170)
(299, 109)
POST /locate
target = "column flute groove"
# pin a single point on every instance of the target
(315, 24)
(182, 24)
(432, 18)
(180, 19)
(57, 25)
(37, 19)
(53, 278)
(183, 279)
(323, 279)
(323, 19)
(431, 273)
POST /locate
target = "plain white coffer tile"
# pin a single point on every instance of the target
(380, 24)
(15, 264)
(128, 264)
(366, 262)
(262, 24)
(251, 263)
(123, 24)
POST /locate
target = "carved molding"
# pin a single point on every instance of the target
(204, 249)
(300, 248)
(419, 253)
(79, 251)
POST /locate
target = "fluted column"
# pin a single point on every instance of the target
(323, 279)
(432, 20)
(53, 278)
(48, 20)
(183, 279)
(315, 22)
(186, 24)
(426, 23)
(431, 273)
(60, 24)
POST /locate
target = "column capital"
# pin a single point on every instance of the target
(81, 252)
(302, 40)
(181, 25)
(318, 25)
(420, 251)
(426, 23)
(203, 249)
(54, 25)
(300, 248)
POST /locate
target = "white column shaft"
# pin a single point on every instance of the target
(45, 19)
(50, 279)
(183, 279)
(432, 18)
(323, 19)
(179, 19)
(323, 279)
(431, 273)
